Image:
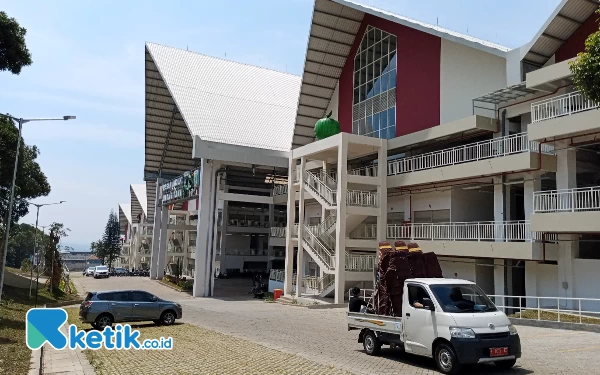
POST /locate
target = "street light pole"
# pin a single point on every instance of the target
(37, 279)
(21, 121)
(37, 215)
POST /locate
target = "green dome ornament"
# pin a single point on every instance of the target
(326, 127)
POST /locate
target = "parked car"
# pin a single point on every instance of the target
(119, 271)
(102, 309)
(100, 271)
(89, 271)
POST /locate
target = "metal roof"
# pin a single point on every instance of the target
(558, 28)
(124, 216)
(138, 200)
(506, 94)
(334, 26)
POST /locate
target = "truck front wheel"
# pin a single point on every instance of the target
(446, 360)
(371, 343)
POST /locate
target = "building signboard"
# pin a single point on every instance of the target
(181, 188)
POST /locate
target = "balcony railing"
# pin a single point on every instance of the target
(497, 147)
(240, 223)
(277, 275)
(562, 105)
(369, 171)
(362, 198)
(278, 232)
(360, 262)
(567, 200)
(364, 232)
(504, 231)
(280, 190)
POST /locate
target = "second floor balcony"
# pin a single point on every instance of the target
(567, 211)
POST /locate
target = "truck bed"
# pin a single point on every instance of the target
(380, 323)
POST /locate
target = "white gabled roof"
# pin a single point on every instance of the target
(124, 216)
(138, 200)
(427, 28)
(229, 102)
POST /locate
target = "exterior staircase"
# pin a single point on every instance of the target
(322, 187)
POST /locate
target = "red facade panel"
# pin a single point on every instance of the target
(576, 43)
(417, 82)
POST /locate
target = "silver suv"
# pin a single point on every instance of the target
(100, 271)
(102, 309)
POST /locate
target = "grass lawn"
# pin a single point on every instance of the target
(197, 350)
(553, 316)
(14, 354)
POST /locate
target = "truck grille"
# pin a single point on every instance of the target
(493, 336)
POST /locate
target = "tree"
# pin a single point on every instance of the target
(22, 244)
(586, 68)
(52, 260)
(98, 250)
(31, 182)
(111, 240)
(14, 54)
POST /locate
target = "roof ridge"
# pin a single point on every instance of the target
(222, 59)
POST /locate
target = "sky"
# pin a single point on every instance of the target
(88, 61)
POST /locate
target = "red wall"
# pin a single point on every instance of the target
(417, 83)
(576, 43)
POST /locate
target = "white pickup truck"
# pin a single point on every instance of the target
(450, 320)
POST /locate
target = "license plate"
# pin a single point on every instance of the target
(499, 352)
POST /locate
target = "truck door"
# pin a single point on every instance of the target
(419, 327)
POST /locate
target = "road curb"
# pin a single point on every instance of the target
(556, 325)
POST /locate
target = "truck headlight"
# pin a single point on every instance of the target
(513, 330)
(462, 333)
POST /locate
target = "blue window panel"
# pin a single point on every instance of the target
(393, 60)
(377, 87)
(383, 119)
(369, 128)
(393, 78)
(385, 84)
(362, 126)
(376, 122)
(391, 115)
(391, 132)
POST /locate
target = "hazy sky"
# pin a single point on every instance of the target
(88, 61)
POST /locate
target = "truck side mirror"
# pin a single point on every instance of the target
(428, 304)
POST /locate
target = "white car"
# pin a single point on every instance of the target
(100, 271)
(89, 271)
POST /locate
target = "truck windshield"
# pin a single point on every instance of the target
(462, 298)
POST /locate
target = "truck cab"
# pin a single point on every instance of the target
(450, 320)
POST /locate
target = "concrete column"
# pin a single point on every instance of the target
(499, 281)
(382, 191)
(186, 236)
(212, 241)
(291, 218)
(162, 248)
(270, 247)
(324, 213)
(566, 167)
(202, 230)
(498, 199)
(531, 283)
(300, 260)
(340, 226)
(223, 256)
(532, 183)
(407, 207)
(155, 234)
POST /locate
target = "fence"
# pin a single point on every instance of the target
(277, 275)
(360, 263)
(369, 171)
(511, 144)
(558, 106)
(365, 231)
(362, 198)
(278, 232)
(465, 231)
(280, 190)
(567, 200)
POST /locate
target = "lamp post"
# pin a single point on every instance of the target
(20, 121)
(37, 278)
(37, 215)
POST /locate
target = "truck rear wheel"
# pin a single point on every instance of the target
(371, 344)
(446, 360)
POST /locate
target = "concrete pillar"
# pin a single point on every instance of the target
(223, 256)
(382, 191)
(340, 226)
(155, 235)
(566, 167)
(212, 241)
(532, 183)
(291, 218)
(499, 281)
(202, 230)
(531, 283)
(162, 247)
(300, 261)
(270, 247)
(407, 207)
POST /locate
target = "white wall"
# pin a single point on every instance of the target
(311, 211)
(471, 205)
(547, 282)
(333, 104)
(396, 203)
(466, 73)
(587, 280)
(460, 266)
(437, 200)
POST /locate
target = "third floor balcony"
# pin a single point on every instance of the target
(567, 211)
(499, 155)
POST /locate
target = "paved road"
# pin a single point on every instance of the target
(321, 335)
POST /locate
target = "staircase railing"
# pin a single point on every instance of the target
(319, 283)
(320, 187)
(319, 249)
